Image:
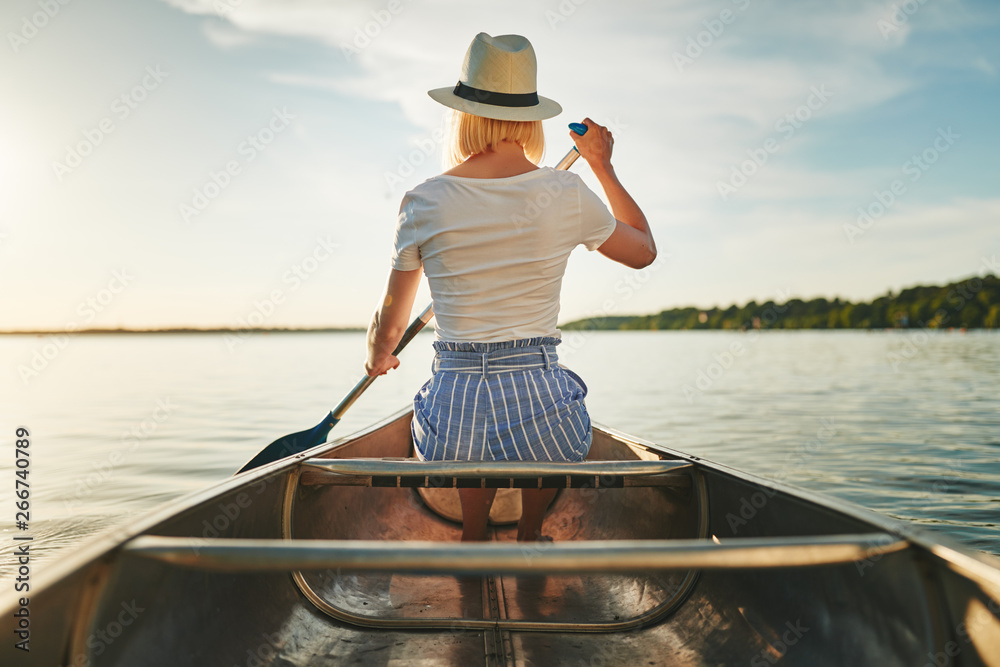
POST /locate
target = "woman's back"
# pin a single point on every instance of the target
(494, 250)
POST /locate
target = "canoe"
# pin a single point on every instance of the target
(349, 554)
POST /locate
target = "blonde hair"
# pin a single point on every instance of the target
(470, 135)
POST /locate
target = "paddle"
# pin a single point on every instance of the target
(297, 443)
(573, 153)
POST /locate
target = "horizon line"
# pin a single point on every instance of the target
(356, 328)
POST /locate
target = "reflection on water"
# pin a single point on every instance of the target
(908, 427)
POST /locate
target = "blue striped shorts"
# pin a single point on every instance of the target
(507, 401)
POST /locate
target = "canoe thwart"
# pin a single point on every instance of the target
(599, 556)
(403, 473)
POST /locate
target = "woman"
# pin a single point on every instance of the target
(493, 235)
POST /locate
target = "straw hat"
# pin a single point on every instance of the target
(498, 81)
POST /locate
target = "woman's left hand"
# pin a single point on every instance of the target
(381, 366)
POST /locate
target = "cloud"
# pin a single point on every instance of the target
(225, 36)
(984, 66)
(795, 247)
(681, 124)
(331, 22)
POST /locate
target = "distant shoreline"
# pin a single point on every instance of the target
(972, 303)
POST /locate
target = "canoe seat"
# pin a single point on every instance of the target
(415, 473)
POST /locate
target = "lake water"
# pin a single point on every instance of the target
(907, 424)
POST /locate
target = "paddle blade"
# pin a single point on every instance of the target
(289, 445)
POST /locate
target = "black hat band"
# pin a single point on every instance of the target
(496, 99)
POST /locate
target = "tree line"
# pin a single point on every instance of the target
(973, 303)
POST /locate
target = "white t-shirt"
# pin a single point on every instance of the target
(494, 250)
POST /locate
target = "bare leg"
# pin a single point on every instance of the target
(534, 502)
(476, 505)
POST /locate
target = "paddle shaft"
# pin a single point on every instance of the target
(573, 153)
(296, 443)
(362, 385)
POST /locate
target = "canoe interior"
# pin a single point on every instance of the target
(895, 609)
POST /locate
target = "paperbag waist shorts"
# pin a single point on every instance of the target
(507, 401)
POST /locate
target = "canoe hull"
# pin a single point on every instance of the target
(898, 608)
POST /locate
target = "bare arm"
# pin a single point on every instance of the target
(390, 320)
(632, 241)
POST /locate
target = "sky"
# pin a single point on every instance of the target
(229, 162)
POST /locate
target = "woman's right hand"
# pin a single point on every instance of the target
(596, 145)
(631, 243)
(376, 367)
